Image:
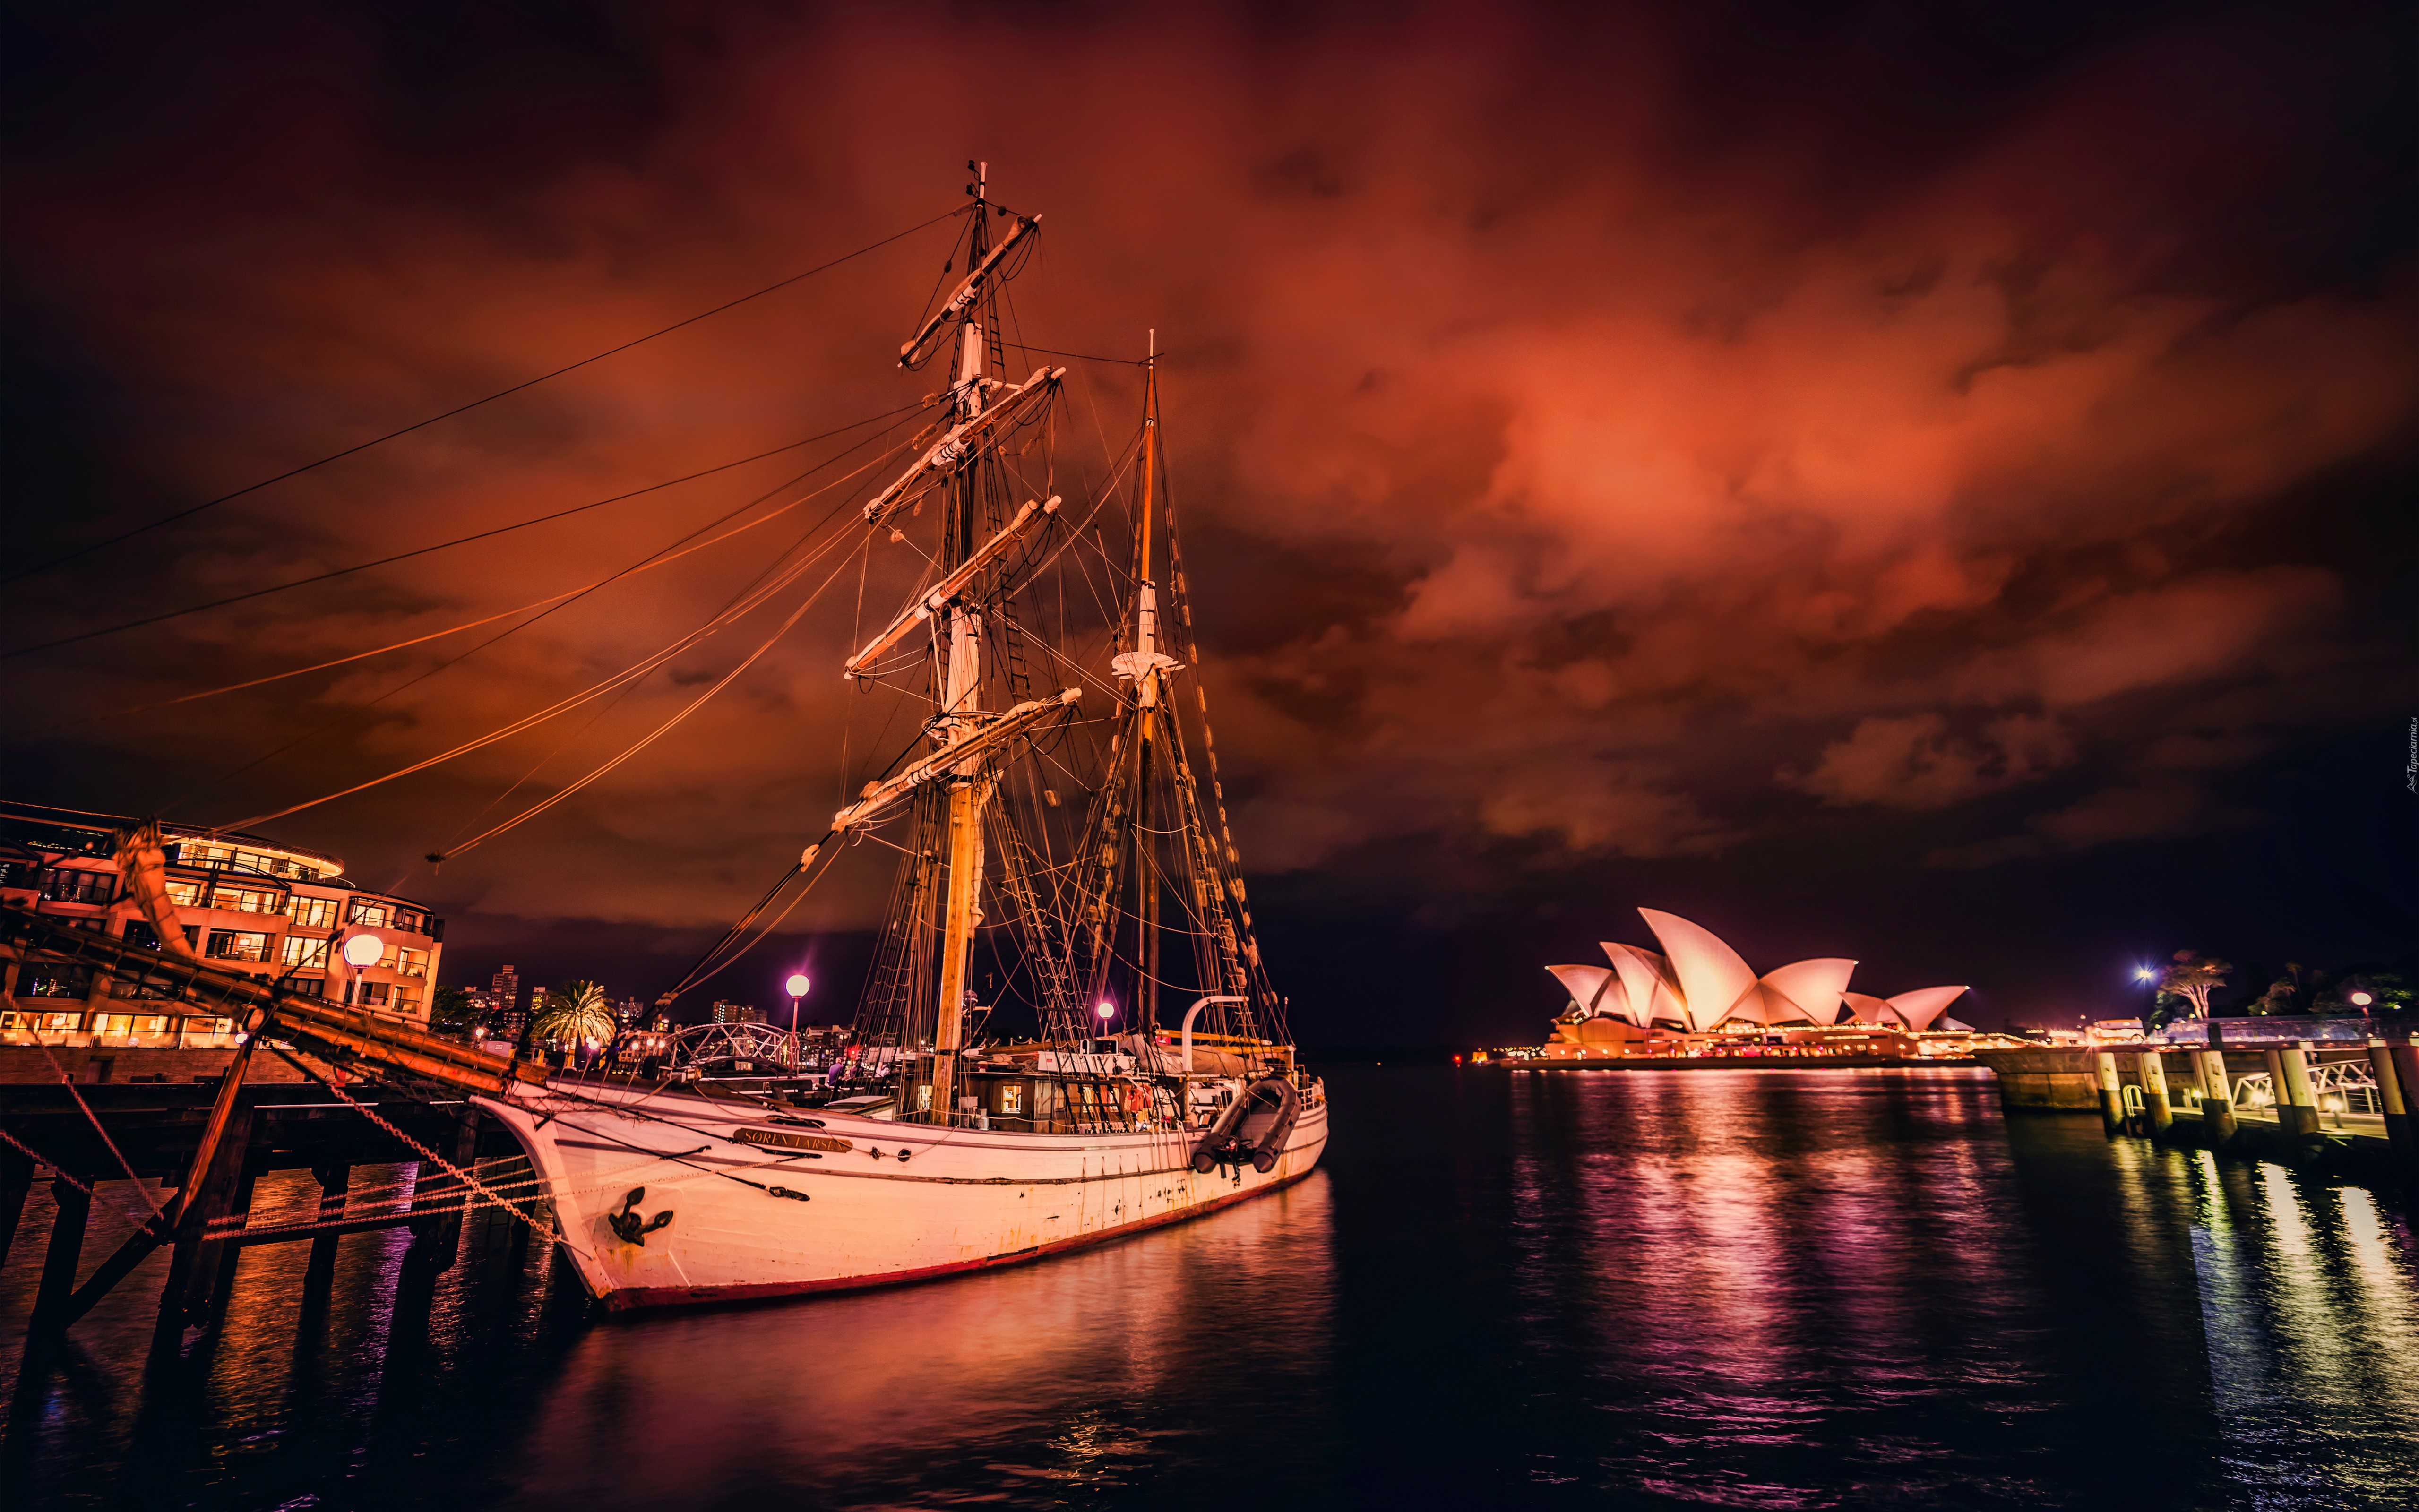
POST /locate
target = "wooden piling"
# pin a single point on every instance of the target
(74, 1211)
(436, 1240)
(2112, 1094)
(192, 1268)
(220, 1257)
(2394, 1101)
(2216, 1099)
(2157, 1112)
(320, 1273)
(2404, 1054)
(16, 1180)
(2297, 1108)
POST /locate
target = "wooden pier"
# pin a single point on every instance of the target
(2189, 1091)
(144, 1138)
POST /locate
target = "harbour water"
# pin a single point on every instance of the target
(1729, 1288)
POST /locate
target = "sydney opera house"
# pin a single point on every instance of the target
(1698, 997)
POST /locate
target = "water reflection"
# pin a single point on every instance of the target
(1784, 1290)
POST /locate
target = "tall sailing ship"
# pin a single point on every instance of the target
(1050, 850)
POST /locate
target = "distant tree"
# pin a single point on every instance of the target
(2296, 992)
(2188, 982)
(2385, 991)
(575, 1011)
(450, 1008)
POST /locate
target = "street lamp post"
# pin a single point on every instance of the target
(361, 952)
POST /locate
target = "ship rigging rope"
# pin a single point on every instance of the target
(661, 557)
(746, 604)
(69, 1081)
(465, 408)
(459, 540)
(651, 736)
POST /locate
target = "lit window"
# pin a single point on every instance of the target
(315, 913)
(411, 962)
(1011, 1097)
(374, 991)
(236, 945)
(247, 900)
(374, 915)
(301, 951)
(185, 894)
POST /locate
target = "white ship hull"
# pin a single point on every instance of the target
(963, 1199)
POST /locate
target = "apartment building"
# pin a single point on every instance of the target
(245, 904)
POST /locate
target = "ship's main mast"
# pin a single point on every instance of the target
(961, 705)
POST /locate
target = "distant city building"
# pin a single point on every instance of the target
(504, 989)
(245, 904)
(737, 1013)
(629, 1012)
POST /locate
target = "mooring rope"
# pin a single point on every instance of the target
(69, 1081)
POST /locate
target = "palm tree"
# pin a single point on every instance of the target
(574, 1011)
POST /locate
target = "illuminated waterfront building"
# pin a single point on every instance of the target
(246, 904)
(1666, 1003)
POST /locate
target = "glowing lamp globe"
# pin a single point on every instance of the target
(798, 984)
(364, 950)
(1107, 1011)
(2143, 974)
(2362, 999)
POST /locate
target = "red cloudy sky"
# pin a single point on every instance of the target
(1881, 483)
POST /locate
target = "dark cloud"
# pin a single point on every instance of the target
(1613, 441)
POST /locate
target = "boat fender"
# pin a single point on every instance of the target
(783, 1192)
(1272, 1144)
(903, 1152)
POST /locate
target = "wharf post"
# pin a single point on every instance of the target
(320, 1273)
(73, 1209)
(2216, 1098)
(2394, 1101)
(2405, 1056)
(2156, 1110)
(436, 1238)
(16, 1180)
(2297, 1107)
(220, 1259)
(2112, 1095)
(193, 1265)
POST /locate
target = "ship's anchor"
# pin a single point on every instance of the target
(628, 1226)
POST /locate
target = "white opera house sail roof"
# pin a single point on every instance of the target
(1700, 984)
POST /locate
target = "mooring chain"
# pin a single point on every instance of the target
(469, 1181)
(58, 1172)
